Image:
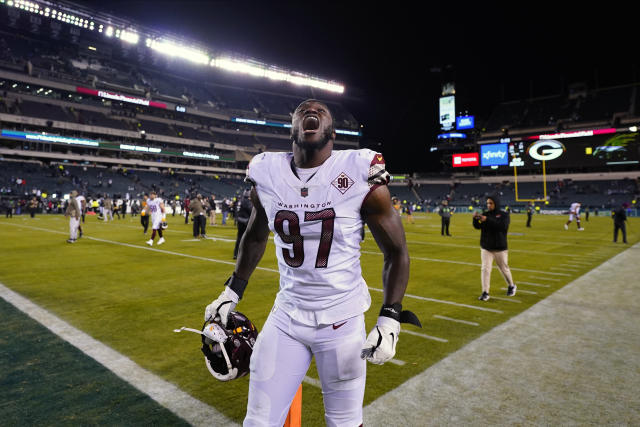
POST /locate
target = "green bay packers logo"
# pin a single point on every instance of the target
(546, 149)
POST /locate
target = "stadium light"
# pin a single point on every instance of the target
(170, 49)
(260, 70)
(175, 49)
(129, 37)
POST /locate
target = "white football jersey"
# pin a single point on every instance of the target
(575, 208)
(318, 230)
(79, 200)
(154, 207)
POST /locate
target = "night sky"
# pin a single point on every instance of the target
(395, 59)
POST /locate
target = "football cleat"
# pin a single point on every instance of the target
(161, 241)
(566, 227)
(149, 242)
(484, 296)
(511, 290)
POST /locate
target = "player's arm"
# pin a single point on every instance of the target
(386, 227)
(254, 240)
(250, 251)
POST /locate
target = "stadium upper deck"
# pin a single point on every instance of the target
(73, 92)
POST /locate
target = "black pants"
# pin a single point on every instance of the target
(242, 226)
(445, 226)
(529, 220)
(144, 220)
(9, 212)
(199, 224)
(622, 227)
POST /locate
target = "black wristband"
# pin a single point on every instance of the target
(391, 310)
(395, 312)
(236, 284)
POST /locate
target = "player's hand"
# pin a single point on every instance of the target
(220, 308)
(380, 346)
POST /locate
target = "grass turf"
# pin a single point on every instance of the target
(130, 297)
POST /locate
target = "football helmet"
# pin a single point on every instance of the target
(165, 225)
(227, 350)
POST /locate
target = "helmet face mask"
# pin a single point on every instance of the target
(228, 350)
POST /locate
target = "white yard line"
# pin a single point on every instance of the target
(311, 381)
(523, 291)
(451, 319)
(152, 249)
(425, 336)
(532, 284)
(546, 278)
(564, 268)
(558, 241)
(457, 304)
(507, 299)
(453, 245)
(163, 392)
(472, 264)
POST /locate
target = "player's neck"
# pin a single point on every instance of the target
(309, 157)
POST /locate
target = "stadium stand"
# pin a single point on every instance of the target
(192, 114)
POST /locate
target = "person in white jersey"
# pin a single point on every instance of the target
(155, 208)
(82, 206)
(574, 213)
(316, 204)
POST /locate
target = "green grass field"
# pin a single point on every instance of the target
(131, 297)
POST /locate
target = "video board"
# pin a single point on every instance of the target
(562, 152)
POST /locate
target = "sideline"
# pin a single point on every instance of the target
(571, 359)
(163, 392)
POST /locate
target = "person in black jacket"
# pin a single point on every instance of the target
(529, 214)
(445, 217)
(243, 212)
(619, 217)
(493, 225)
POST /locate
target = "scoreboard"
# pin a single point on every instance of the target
(603, 148)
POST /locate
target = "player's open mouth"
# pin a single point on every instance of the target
(310, 124)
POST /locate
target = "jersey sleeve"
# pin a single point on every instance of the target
(254, 169)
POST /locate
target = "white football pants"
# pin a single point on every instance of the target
(281, 358)
(73, 228)
(501, 258)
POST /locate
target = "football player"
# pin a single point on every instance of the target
(574, 213)
(317, 205)
(155, 208)
(144, 218)
(82, 207)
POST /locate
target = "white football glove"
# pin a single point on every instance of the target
(220, 308)
(381, 343)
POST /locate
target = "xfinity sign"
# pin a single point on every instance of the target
(494, 155)
(546, 150)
